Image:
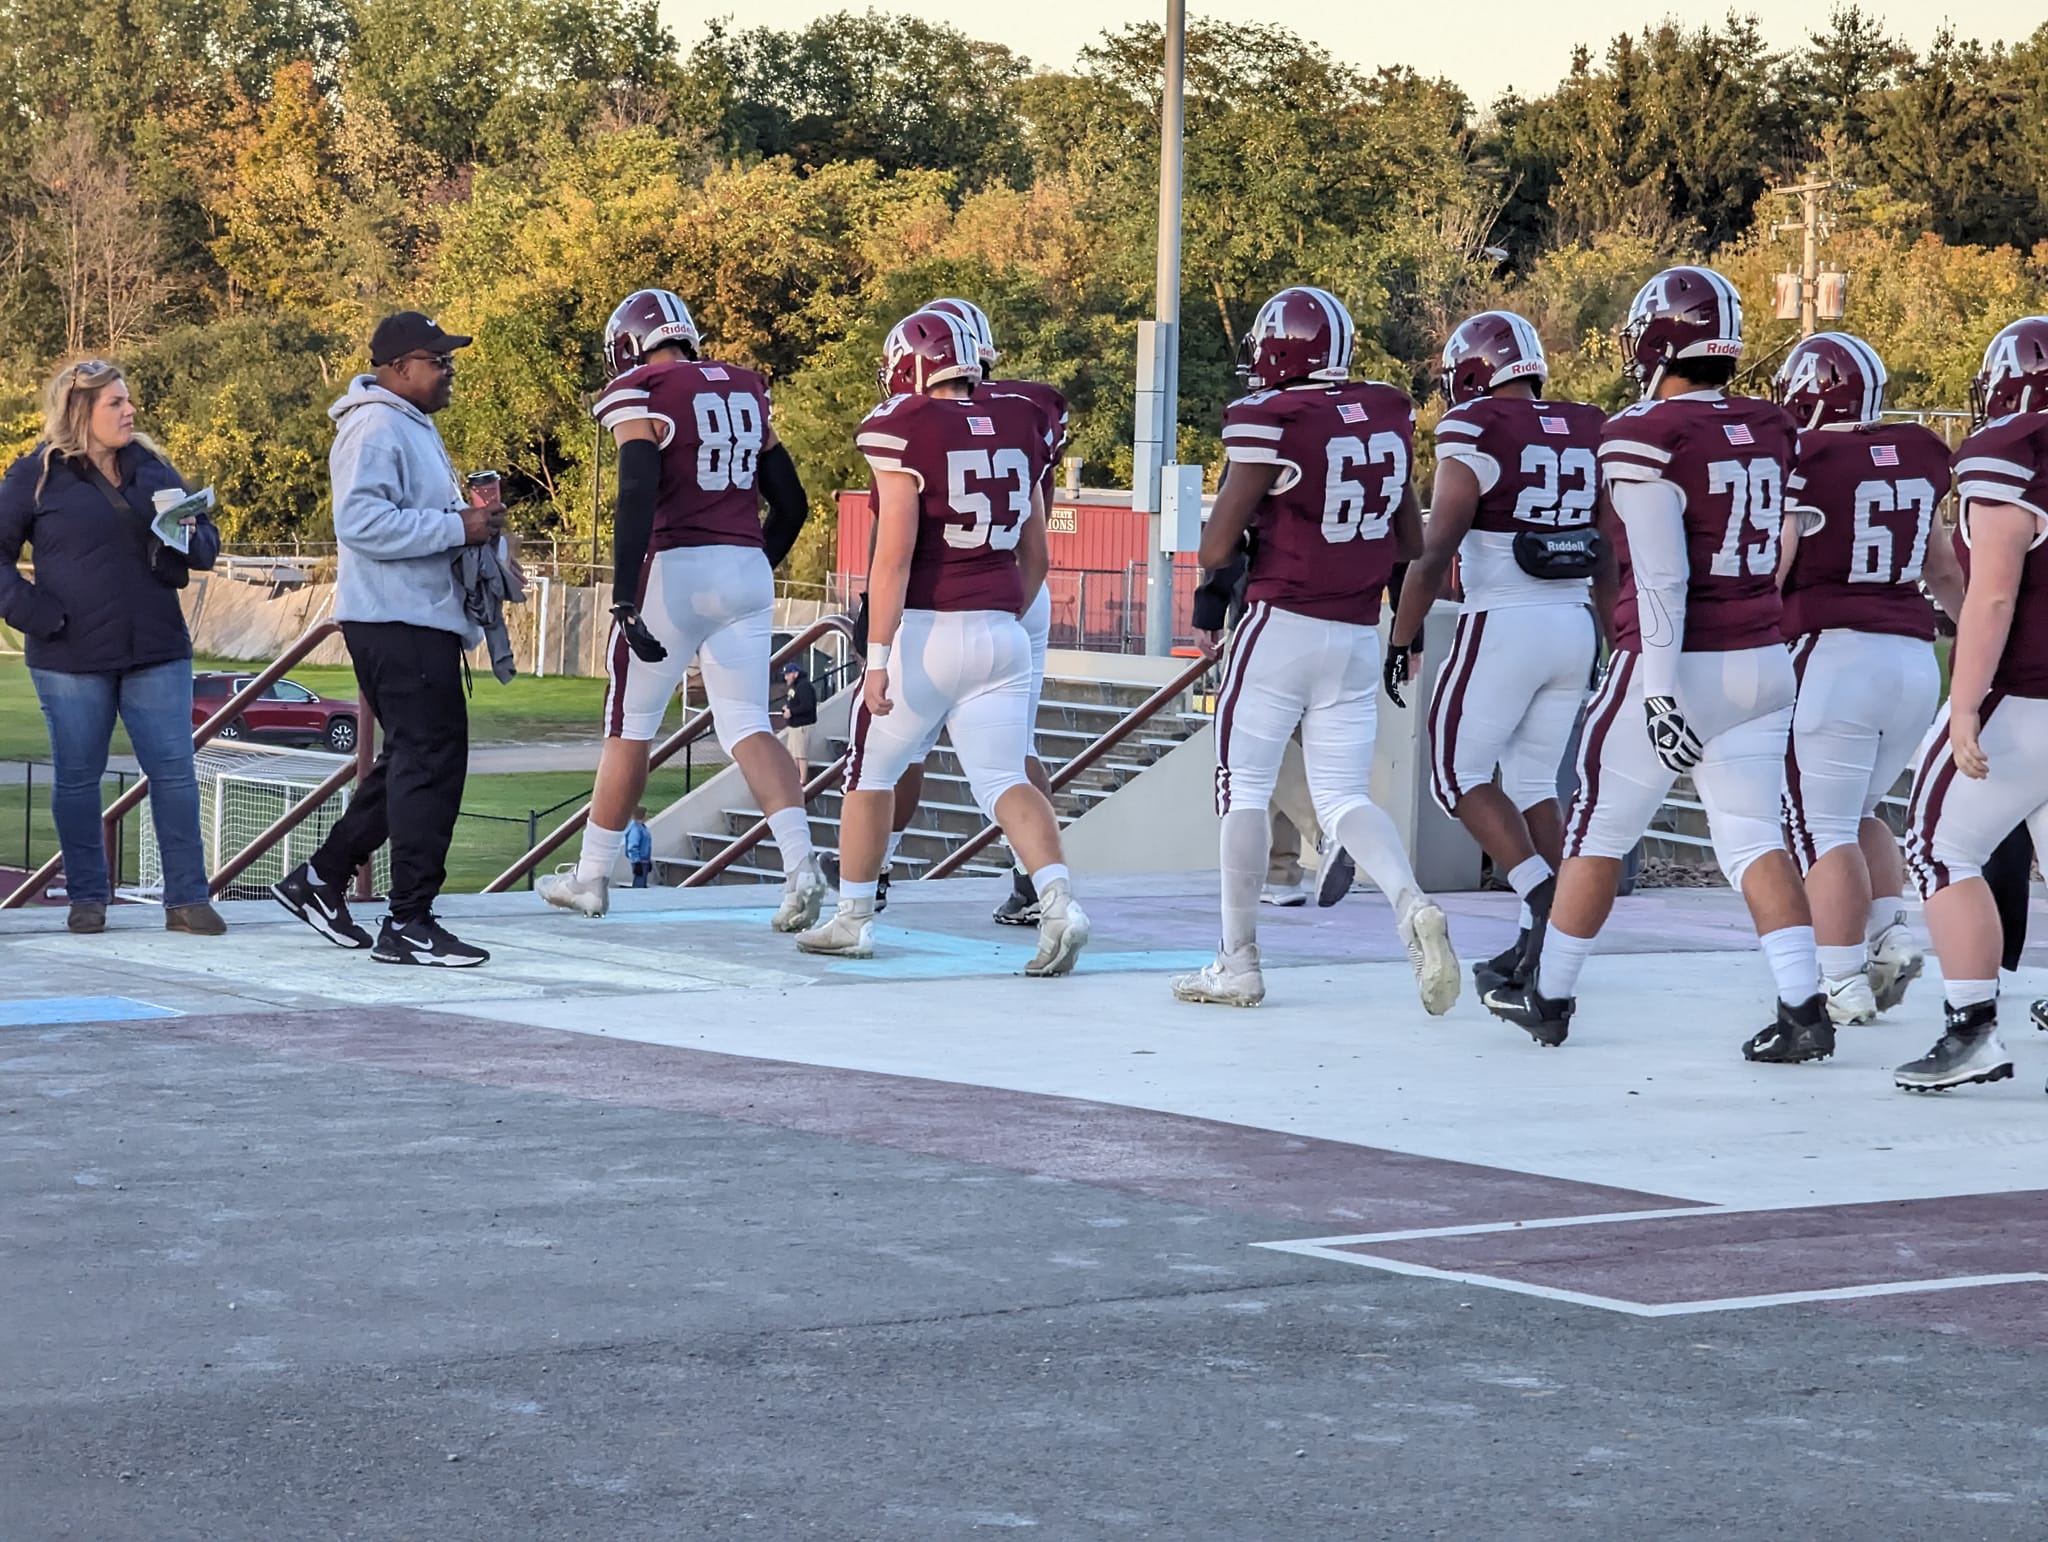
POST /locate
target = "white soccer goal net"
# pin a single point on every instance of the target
(244, 789)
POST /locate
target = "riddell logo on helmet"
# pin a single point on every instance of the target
(1721, 348)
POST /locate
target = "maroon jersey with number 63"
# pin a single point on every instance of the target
(1324, 534)
(1729, 457)
(712, 419)
(1537, 464)
(1874, 488)
(2006, 461)
(977, 461)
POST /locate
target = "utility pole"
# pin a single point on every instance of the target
(1808, 225)
(1155, 443)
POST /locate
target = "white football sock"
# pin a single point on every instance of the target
(1526, 875)
(601, 848)
(1369, 835)
(1244, 840)
(1969, 993)
(791, 828)
(849, 890)
(889, 856)
(1794, 963)
(1052, 872)
(1838, 963)
(1557, 973)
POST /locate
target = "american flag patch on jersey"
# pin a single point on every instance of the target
(1884, 455)
(713, 372)
(1555, 425)
(1351, 412)
(1738, 433)
(981, 425)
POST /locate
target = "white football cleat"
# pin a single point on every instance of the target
(1850, 1000)
(1233, 980)
(1286, 896)
(1062, 932)
(1438, 976)
(803, 896)
(849, 934)
(586, 896)
(1895, 963)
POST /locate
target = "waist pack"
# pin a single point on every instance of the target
(1559, 553)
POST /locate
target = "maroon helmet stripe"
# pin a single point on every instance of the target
(1241, 645)
(1448, 709)
(1599, 720)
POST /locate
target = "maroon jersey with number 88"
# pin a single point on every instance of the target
(977, 461)
(1324, 534)
(1728, 456)
(1874, 488)
(712, 420)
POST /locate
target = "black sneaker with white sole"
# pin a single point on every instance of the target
(1797, 1035)
(1339, 873)
(1020, 907)
(424, 940)
(1969, 1050)
(322, 906)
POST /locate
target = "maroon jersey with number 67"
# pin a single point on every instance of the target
(712, 419)
(2006, 461)
(977, 461)
(1729, 457)
(1324, 537)
(1873, 488)
(1537, 465)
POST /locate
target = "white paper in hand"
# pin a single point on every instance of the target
(173, 508)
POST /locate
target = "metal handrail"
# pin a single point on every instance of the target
(119, 809)
(1119, 731)
(692, 729)
(754, 833)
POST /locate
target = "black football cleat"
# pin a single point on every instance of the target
(1504, 968)
(1544, 1020)
(1799, 1034)
(1339, 873)
(1969, 1050)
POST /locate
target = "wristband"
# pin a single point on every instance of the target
(878, 655)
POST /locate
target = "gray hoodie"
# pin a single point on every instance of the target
(397, 514)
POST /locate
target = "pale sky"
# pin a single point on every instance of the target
(1484, 45)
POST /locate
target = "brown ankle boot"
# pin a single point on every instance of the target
(201, 920)
(87, 916)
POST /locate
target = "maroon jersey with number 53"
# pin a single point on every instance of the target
(2006, 461)
(1728, 456)
(1051, 405)
(1324, 538)
(977, 461)
(1873, 488)
(712, 419)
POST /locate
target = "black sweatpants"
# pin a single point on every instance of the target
(412, 678)
(2010, 872)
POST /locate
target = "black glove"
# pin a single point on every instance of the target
(1400, 670)
(1670, 735)
(645, 645)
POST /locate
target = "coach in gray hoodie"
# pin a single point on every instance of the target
(401, 520)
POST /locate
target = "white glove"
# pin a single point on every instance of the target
(1670, 735)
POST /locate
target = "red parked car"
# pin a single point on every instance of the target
(287, 713)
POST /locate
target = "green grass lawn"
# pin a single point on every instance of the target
(492, 832)
(28, 838)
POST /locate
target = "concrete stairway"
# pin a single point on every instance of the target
(1072, 715)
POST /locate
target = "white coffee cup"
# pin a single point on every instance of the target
(167, 498)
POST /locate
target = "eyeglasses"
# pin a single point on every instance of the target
(88, 370)
(444, 362)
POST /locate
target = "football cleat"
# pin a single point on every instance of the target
(1851, 1002)
(1504, 968)
(1428, 938)
(1232, 980)
(803, 896)
(1547, 1022)
(1020, 905)
(1968, 1051)
(1340, 872)
(1895, 963)
(881, 891)
(1062, 932)
(850, 933)
(1796, 1035)
(2039, 1013)
(565, 891)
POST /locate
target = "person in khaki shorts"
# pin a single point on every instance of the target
(799, 717)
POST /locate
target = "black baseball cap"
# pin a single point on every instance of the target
(410, 332)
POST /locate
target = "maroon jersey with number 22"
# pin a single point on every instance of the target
(1324, 534)
(1728, 456)
(977, 461)
(1872, 488)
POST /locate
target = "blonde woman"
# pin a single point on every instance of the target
(104, 632)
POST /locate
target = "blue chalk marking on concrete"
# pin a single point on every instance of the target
(46, 1010)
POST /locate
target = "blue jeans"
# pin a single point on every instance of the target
(155, 703)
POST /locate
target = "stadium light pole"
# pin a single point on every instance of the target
(1159, 348)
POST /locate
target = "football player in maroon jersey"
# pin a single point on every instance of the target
(1984, 768)
(1318, 470)
(691, 578)
(1517, 485)
(1020, 907)
(959, 548)
(1699, 680)
(1859, 537)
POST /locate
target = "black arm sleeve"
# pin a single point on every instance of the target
(633, 522)
(1214, 595)
(788, 508)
